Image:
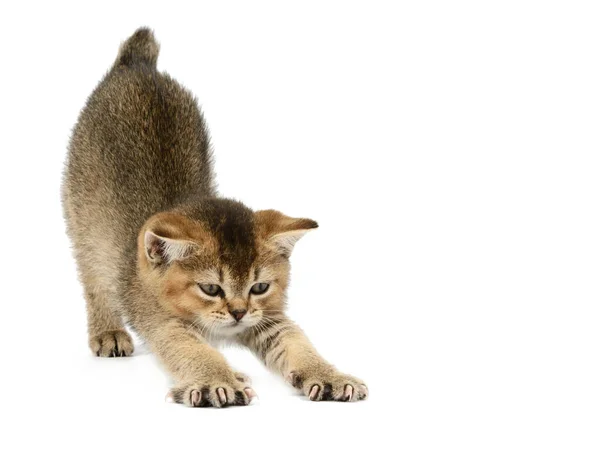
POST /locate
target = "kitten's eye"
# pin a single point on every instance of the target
(260, 288)
(210, 289)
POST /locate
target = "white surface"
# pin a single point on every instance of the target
(449, 151)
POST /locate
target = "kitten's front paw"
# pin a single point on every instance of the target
(328, 384)
(216, 394)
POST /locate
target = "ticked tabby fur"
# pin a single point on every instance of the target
(158, 250)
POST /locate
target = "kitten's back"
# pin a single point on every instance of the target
(140, 146)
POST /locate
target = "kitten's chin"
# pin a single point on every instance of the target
(231, 330)
(226, 331)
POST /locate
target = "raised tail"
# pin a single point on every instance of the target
(141, 47)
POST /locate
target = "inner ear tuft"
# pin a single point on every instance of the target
(160, 249)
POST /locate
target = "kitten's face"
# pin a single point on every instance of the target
(221, 300)
(224, 269)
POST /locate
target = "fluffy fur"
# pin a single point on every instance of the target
(151, 237)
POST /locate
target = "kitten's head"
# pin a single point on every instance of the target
(218, 263)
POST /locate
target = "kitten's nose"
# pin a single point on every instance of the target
(238, 314)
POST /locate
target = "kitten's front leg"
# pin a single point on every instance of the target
(203, 376)
(284, 347)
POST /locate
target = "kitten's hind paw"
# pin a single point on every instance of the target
(113, 343)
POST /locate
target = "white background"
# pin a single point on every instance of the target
(450, 153)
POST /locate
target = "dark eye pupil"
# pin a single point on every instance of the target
(259, 288)
(210, 289)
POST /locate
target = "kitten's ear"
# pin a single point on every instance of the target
(161, 249)
(282, 231)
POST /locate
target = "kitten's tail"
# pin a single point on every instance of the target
(141, 47)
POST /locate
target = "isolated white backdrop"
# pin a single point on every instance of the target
(449, 151)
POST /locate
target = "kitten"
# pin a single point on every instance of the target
(157, 248)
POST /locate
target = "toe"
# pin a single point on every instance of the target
(295, 380)
(107, 347)
(314, 392)
(250, 393)
(222, 396)
(242, 377)
(124, 344)
(195, 398)
(363, 392)
(348, 391)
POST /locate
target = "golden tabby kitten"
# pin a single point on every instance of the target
(158, 250)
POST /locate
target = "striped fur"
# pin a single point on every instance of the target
(284, 348)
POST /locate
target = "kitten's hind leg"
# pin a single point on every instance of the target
(107, 335)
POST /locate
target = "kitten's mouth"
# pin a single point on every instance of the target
(240, 326)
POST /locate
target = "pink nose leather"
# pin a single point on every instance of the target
(237, 315)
